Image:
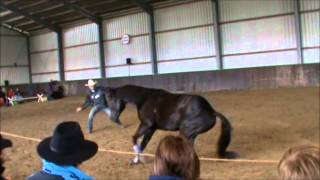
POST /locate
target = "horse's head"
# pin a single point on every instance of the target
(113, 103)
(110, 96)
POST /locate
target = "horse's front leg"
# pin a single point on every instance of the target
(115, 113)
(145, 130)
(146, 138)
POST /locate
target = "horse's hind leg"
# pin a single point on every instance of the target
(192, 127)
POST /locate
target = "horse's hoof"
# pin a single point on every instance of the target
(121, 126)
(134, 162)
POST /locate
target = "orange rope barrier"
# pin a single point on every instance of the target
(151, 155)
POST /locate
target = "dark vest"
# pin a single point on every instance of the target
(44, 176)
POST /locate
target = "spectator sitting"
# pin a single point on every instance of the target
(18, 95)
(4, 143)
(175, 159)
(62, 152)
(11, 98)
(11, 93)
(2, 97)
(55, 91)
(300, 163)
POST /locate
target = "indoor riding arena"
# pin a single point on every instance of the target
(254, 61)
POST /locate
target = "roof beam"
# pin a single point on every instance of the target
(144, 6)
(81, 10)
(7, 26)
(32, 17)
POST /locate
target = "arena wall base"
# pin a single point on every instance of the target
(251, 78)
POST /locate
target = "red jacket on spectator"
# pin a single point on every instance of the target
(10, 93)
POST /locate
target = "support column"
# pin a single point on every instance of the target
(217, 37)
(153, 42)
(298, 34)
(101, 49)
(60, 54)
(29, 59)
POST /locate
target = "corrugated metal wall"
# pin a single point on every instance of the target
(254, 33)
(309, 5)
(15, 75)
(44, 57)
(244, 9)
(257, 33)
(13, 57)
(310, 22)
(184, 37)
(81, 52)
(116, 53)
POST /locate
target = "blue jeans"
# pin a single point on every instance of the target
(94, 111)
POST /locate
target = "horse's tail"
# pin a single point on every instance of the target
(225, 135)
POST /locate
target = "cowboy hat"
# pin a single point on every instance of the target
(91, 83)
(67, 146)
(4, 143)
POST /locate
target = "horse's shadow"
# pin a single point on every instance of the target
(227, 155)
(113, 126)
(100, 129)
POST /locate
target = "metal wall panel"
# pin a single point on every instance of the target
(204, 64)
(84, 74)
(189, 43)
(243, 9)
(120, 71)
(258, 60)
(45, 77)
(138, 50)
(132, 70)
(44, 62)
(310, 23)
(81, 57)
(13, 50)
(311, 55)
(43, 42)
(135, 24)
(80, 35)
(15, 75)
(186, 15)
(309, 4)
(258, 35)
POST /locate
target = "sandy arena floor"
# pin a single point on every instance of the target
(265, 122)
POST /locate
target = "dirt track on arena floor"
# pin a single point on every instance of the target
(265, 123)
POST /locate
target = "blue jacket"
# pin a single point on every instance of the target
(165, 178)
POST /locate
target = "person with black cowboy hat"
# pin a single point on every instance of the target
(62, 152)
(97, 99)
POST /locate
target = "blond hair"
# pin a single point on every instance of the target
(300, 163)
(175, 156)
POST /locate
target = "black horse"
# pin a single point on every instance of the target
(160, 109)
